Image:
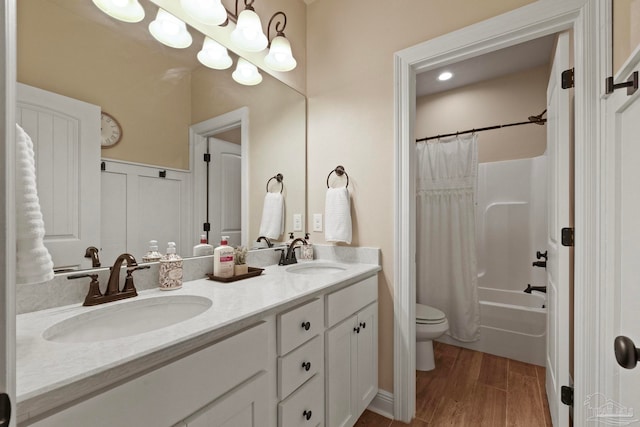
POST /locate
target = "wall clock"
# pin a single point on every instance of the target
(111, 131)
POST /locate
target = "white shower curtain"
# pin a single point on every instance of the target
(445, 245)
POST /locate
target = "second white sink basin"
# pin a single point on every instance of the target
(316, 268)
(128, 318)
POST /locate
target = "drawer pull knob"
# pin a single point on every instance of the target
(356, 330)
(363, 324)
(306, 414)
(306, 325)
(306, 365)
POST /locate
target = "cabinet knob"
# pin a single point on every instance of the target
(356, 330)
(306, 365)
(306, 325)
(363, 325)
(306, 414)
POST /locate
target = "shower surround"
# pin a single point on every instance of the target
(511, 227)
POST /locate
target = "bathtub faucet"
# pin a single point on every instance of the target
(535, 288)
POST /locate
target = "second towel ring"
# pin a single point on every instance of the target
(339, 170)
(278, 178)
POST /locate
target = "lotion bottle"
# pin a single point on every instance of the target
(223, 262)
(203, 248)
(171, 269)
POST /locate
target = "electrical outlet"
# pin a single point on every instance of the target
(297, 222)
(317, 222)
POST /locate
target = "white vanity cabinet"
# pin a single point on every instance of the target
(351, 343)
(300, 365)
(221, 385)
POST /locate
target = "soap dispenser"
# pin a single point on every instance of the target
(171, 269)
(152, 255)
(307, 249)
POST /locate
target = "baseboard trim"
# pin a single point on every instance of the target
(382, 404)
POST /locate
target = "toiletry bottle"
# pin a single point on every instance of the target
(152, 255)
(291, 239)
(223, 263)
(171, 269)
(203, 248)
(307, 249)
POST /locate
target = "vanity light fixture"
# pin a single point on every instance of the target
(446, 75)
(169, 30)
(248, 33)
(209, 12)
(214, 55)
(246, 73)
(122, 10)
(279, 57)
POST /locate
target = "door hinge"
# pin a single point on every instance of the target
(103, 166)
(631, 84)
(5, 410)
(207, 157)
(162, 174)
(567, 236)
(206, 226)
(566, 395)
(567, 78)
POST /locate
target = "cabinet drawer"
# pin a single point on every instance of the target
(298, 366)
(306, 402)
(299, 325)
(345, 302)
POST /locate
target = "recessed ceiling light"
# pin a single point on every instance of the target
(445, 76)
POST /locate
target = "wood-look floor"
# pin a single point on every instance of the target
(469, 388)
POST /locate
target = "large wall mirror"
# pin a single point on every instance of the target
(157, 94)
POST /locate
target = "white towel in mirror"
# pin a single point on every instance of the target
(33, 261)
(337, 215)
(272, 224)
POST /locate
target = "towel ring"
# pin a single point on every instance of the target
(339, 170)
(278, 178)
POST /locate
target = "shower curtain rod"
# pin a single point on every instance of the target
(532, 119)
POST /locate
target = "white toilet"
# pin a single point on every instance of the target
(431, 323)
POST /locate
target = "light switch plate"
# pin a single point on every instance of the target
(317, 222)
(297, 222)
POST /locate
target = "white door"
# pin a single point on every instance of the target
(622, 130)
(66, 141)
(558, 152)
(225, 189)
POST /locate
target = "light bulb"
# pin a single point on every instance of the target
(445, 76)
(248, 33)
(246, 73)
(169, 30)
(214, 55)
(280, 57)
(209, 12)
(122, 10)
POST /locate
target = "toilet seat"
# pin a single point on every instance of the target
(426, 315)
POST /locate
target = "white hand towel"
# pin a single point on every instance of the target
(272, 224)
(33, 261)
(337, 215)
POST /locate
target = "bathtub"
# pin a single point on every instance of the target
(512, 324)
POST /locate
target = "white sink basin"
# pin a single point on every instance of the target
(129, 318)
(316, 268)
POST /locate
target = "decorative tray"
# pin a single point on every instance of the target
(253, 271)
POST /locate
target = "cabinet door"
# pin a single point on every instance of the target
(244, 406)
(367, 360)
(341, 374)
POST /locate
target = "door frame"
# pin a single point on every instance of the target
(532, 21)
(7, 214)
(198, 134)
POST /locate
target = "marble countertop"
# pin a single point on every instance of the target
(52, 374)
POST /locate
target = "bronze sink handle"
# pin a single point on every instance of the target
(94, 294)
(128, 283)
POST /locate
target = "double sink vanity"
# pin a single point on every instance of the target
(295, 346)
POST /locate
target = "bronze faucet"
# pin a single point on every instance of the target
(113, 292)
(290, 257)
(266, 239)
(92, 252)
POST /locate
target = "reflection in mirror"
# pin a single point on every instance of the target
(157, 95)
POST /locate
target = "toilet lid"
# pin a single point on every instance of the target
(425, 313)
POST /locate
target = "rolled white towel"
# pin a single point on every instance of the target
(272, 223)
(33, 261)
(337, 215)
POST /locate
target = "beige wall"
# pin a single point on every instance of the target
(626, 30)
(507, 99)
(350, 47)
(150, 96)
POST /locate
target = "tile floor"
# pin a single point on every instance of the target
(469, 388)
